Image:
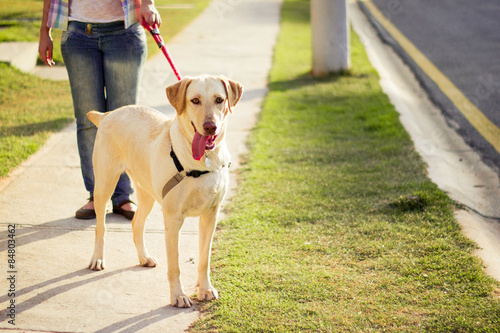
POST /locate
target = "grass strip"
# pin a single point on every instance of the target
(30, 110)
(336, 226)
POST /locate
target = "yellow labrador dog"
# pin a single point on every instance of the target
(181, 163)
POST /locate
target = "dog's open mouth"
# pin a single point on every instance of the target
(202, 143)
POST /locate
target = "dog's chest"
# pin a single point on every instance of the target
(195, 196)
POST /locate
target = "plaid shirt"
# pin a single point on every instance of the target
(59, 13)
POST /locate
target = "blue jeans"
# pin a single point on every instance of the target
(104, 63)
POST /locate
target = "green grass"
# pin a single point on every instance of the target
(336, 226)
(21, 20)
(31, 108)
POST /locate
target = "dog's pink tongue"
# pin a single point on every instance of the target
(199, 145)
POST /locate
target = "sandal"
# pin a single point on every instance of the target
(129, 214)
(84, 213)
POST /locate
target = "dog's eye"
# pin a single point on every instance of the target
(219, 100)
(195, 101)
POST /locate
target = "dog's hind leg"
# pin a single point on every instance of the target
(144, 205)
(106, 175)
(206, 231)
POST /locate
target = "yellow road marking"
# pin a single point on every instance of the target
(476, 118)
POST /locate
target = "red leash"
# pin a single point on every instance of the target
(155, 32)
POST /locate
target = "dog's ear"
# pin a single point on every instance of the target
(176, 94)
(234, 90)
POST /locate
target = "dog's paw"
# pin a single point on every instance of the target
(97, 264)
(149, 262)
(210, 294)
(182, 301)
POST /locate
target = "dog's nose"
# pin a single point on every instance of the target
(210, 127)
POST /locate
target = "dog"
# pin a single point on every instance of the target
(180, 162)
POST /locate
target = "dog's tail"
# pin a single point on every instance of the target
(96, 117)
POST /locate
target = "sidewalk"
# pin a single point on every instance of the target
(54, 291)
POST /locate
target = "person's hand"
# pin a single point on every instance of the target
(149, 13)
(45, 47)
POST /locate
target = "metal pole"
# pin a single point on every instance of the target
(330, 36)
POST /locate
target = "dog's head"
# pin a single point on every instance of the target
(202, 104)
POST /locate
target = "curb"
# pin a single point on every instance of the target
(453, 114)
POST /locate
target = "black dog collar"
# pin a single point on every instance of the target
(180, 175)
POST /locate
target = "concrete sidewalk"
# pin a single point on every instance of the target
(54, 291)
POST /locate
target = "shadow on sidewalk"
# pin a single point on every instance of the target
(144, 320)
(52, 282)
(39, 298)
(86, 277)
(29, 233)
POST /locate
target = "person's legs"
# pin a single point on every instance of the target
(84, 64)
(105, 70)
(124, 57)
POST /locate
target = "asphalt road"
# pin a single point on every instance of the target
(462, 39)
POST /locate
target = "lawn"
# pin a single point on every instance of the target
(336, 226)
(31, 108)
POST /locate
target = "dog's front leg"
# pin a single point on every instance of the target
(173, 226)
(207, 227)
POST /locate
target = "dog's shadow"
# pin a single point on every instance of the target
(57, 289)
(132, 324)
(142, 321)
(86, 288)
